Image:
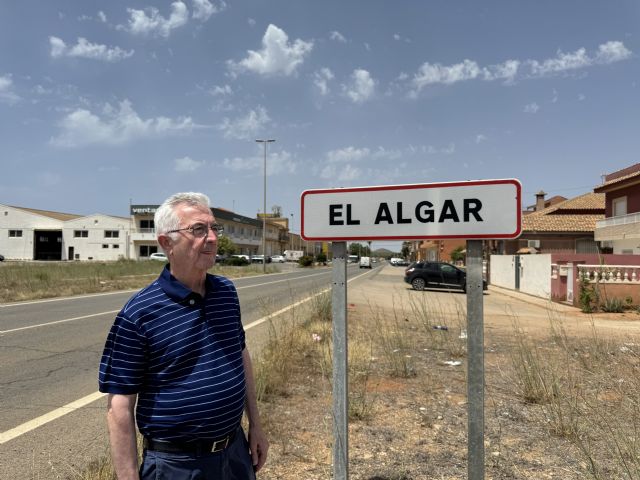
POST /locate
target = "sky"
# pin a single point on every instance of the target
(107, 103)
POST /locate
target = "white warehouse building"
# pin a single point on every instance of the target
(30, 234)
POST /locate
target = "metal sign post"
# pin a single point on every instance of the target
(340, 362)
(475, 362)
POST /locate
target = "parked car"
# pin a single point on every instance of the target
(423, 275)
(259, 259)
(278, 259)
(1, 258)
(159, 256)
(365, 262)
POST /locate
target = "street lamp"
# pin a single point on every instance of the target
(264, 206)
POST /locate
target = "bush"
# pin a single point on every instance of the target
(613, 305)
(588, 296)
(236, 261)
(305, 261)
(321, 258)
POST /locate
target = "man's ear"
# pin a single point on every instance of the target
(165, 242)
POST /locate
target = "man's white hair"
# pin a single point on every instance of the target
(166, 218)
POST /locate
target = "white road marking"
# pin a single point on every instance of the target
(2, 332)
(48, 417)
(84, 401)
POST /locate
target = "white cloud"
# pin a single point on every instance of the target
(102, 16)
(531, 108)
(429, 74)
(277, 163)
(348, 154)
(187, 164)
(337, 36)
(277, 57)
(321, 79)
(361, 87)
(245, 127)
(562, 62)
(217, 90)
(611, 52)
(348, 173)
(116, 126)
(480, 138)
(143, 22)
(7, 95)
(510, 70)
(581, 97)
(203, 9)
(86, 49)
(506, 71)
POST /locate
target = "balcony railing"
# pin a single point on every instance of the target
(610, 273)
(619, 220)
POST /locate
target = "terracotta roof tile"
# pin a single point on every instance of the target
(578, 214)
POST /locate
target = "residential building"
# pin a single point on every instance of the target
(619, 231)
(564, 227)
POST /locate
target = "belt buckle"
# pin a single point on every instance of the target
(220, 444)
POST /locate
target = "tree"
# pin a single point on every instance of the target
(406, 249)
(457, 254)
(226, 246)
(359, 249)
(276, 210)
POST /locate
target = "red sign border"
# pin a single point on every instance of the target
(412, 186)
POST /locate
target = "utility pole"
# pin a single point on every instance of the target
(264, 206)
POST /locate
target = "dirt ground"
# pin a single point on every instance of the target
(410, 418)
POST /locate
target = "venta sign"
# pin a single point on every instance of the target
(472, 210)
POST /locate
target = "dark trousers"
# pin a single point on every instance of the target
(232, 463)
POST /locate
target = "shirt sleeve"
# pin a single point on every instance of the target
(122, 366)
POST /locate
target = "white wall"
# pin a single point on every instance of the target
(93, 246)
(503, 271)
(22, 248)
(535, 275)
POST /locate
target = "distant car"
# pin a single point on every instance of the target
(259, 259)
(159, 256)
(246, 257)
(423, 275)
(1, 258)
(365, 262)
(278, 259)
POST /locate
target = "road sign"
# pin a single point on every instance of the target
(472, 210)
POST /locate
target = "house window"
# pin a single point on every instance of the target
(619, 206)
(111, 234)
(533, 243)
(81, 233)
(15, 233)
(115, 245)
(105, 245)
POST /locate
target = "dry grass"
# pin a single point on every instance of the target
(557, 405)
(33, 280)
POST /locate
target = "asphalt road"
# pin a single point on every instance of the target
(49, 355)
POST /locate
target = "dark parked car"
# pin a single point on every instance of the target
(423, 275)
(1, 258)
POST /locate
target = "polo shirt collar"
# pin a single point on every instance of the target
(177, 290)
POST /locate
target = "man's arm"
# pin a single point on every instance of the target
(257, 440)
(122, 435)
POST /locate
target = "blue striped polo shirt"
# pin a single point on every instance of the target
(182, 355)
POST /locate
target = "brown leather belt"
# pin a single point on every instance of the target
(199, 447)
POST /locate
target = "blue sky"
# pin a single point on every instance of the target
(107, 102)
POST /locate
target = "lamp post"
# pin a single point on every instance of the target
(264, 206)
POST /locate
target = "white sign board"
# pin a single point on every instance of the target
(472, 210)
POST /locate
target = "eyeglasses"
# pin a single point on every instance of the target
(200, 230)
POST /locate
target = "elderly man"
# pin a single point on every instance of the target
(177, 348)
